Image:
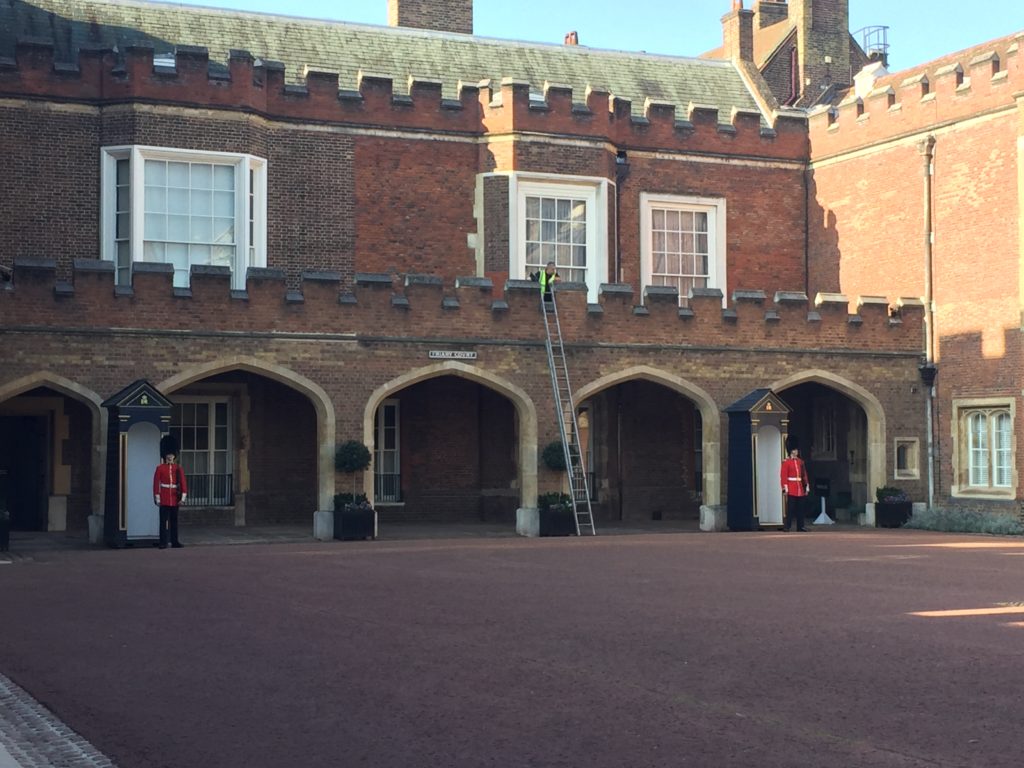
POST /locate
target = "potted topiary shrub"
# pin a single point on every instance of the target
(354, 517)
(556, 515)
(555, 508)
(892, 507)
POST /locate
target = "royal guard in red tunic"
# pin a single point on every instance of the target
(169, 490)
(795, 488)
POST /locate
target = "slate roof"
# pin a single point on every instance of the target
(397, 52)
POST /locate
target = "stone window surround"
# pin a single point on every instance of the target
(962, 407)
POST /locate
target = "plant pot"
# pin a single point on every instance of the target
(557, 521)
(892, 514)
(355, 524)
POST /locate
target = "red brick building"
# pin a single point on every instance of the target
(935, 212)
(305, 232)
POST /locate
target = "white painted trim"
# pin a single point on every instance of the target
(716, 209)
(592, 188)
(138, 154)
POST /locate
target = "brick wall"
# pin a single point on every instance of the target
(872, 231)
(30, 226)
(441, 15)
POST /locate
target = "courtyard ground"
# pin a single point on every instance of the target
(835, 647)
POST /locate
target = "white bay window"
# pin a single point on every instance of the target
(561, 219)
(183, 208)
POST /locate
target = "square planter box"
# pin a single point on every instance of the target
(892, 515)
(353, 525)
(557, 521)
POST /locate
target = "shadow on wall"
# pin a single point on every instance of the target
(823, 252)
(20, 20)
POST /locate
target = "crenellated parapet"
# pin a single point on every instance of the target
(246, 83)
(425, 307)
(975, 81)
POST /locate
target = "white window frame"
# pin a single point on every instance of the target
(962, 410)
(913, 470)
(378, 442)
(593, 190)
(212, 401)
(714, 207)
(256, 246)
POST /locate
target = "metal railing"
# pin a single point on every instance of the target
(387, 487)
(209, 491)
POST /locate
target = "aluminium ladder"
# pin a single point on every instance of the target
(579, 489)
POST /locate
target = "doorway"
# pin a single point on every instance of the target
(23, 470)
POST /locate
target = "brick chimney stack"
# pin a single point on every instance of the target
(439, 15)
(768, 12)
(823, 45)
(738, 33)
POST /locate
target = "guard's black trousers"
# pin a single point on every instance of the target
(795, 506)
(168, 525)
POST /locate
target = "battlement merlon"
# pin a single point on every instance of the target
(245, 83)
(917, 99)
(428, 306)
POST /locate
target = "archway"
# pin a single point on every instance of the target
(59, 429)
(478, 417)
(643, 473)
(840, 427)
(256, 416)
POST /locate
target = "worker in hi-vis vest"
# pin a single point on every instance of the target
(547, 278)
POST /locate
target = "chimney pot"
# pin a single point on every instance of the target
(571, 38)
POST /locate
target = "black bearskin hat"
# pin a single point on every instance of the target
(792, 443)
(168, 444)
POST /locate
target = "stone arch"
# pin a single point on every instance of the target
(873, 410)
(526, 412)
(94, 403)
(322, 405)
(710, 415)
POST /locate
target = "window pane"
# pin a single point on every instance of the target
(177, 228)
(533, 207)
(547, 208)
(1003, 440)
(155, 227)
(177, 175)
(978, 460)
(224, 204)
(156, 172)
(224, 177)
(223, 231)
(222, 255)
(156, 199)
(177, 201)
(202, 176)
(123, 171)
(202, 229)
(201, 202)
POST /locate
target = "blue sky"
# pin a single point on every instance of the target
(919, 30)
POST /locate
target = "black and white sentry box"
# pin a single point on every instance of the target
(758, 427)
(139, 416)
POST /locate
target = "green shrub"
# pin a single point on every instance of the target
(553, 456)
(553, 499)
(341, 499)
(965, 521)
(351, 457)
(891, 495)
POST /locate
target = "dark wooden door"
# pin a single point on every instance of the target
(23, 470)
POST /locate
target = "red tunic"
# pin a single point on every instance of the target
(169, 484)
(794, 477)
